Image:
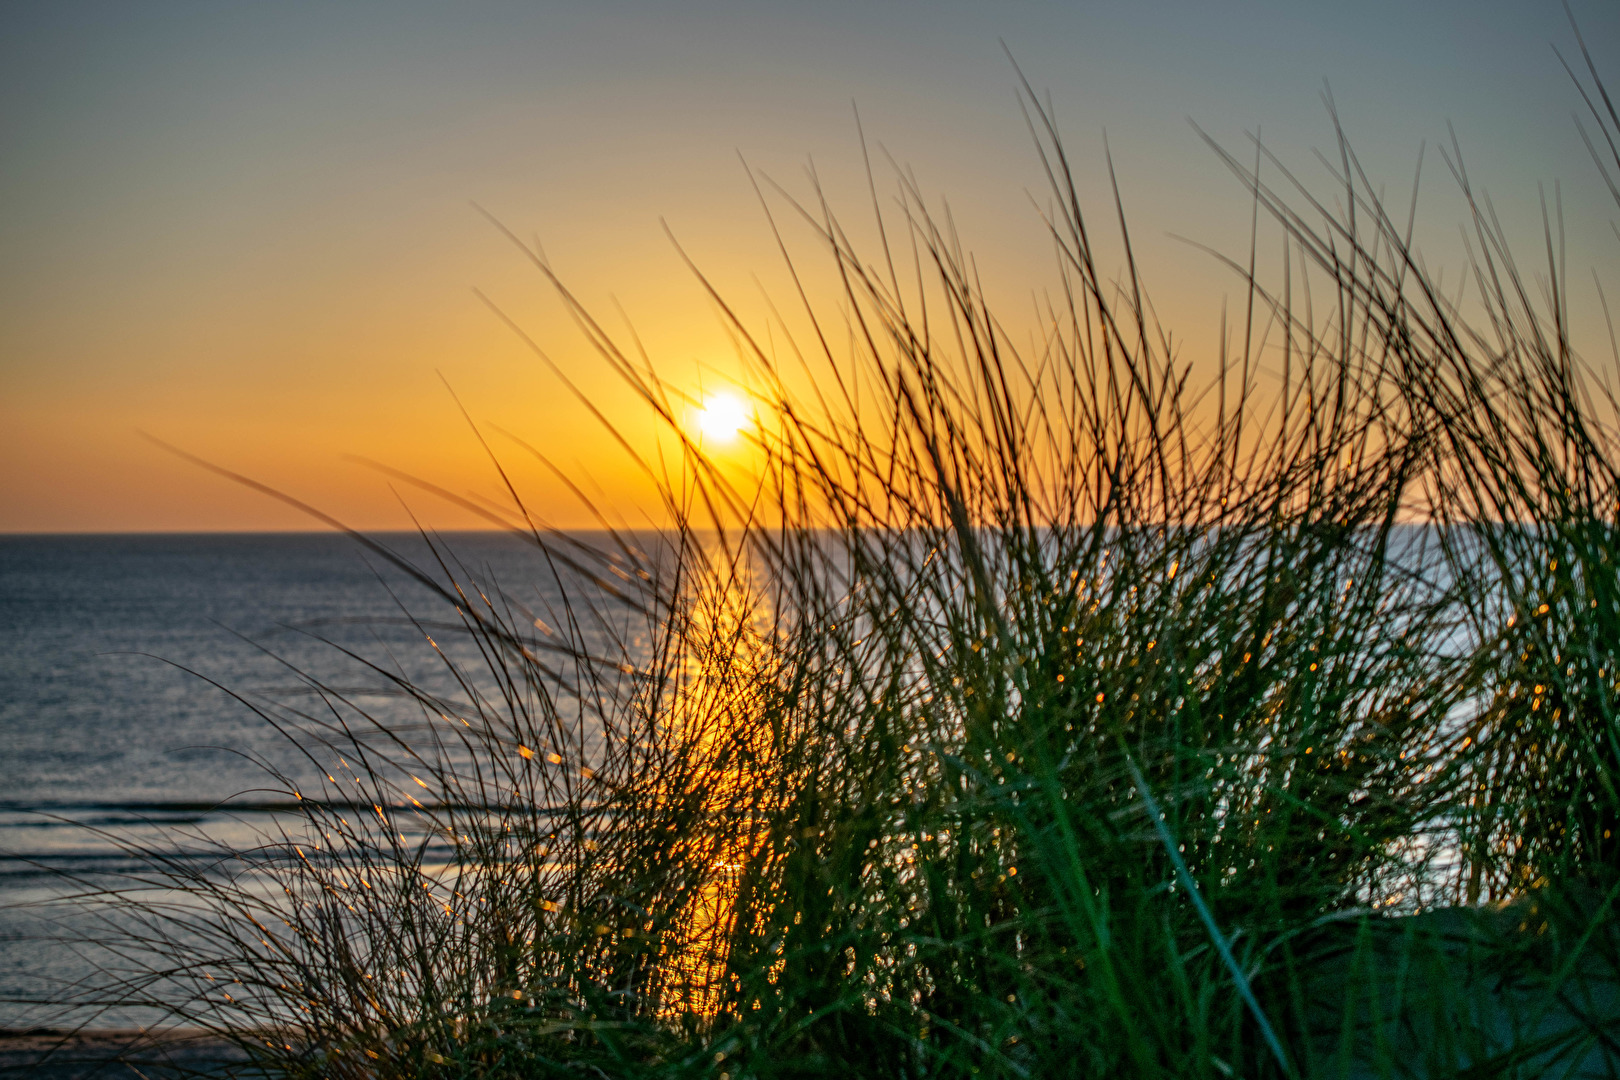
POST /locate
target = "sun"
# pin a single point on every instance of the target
(722, 418)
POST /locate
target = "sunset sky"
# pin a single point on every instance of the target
(250, 229)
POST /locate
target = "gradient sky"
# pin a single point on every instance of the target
(248, 229)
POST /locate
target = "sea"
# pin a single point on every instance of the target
(145, 681)
(136, 675)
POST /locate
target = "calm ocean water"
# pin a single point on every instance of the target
(121, 662)
(110, 729)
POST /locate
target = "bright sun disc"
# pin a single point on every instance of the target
(722, 417)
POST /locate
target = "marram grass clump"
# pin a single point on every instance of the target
(1043, 711)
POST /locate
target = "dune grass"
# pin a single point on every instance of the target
(1045, 711)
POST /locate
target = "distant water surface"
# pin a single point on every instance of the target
(119, 659)
(107, 716)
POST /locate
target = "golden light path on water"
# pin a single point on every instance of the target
(721, 711)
